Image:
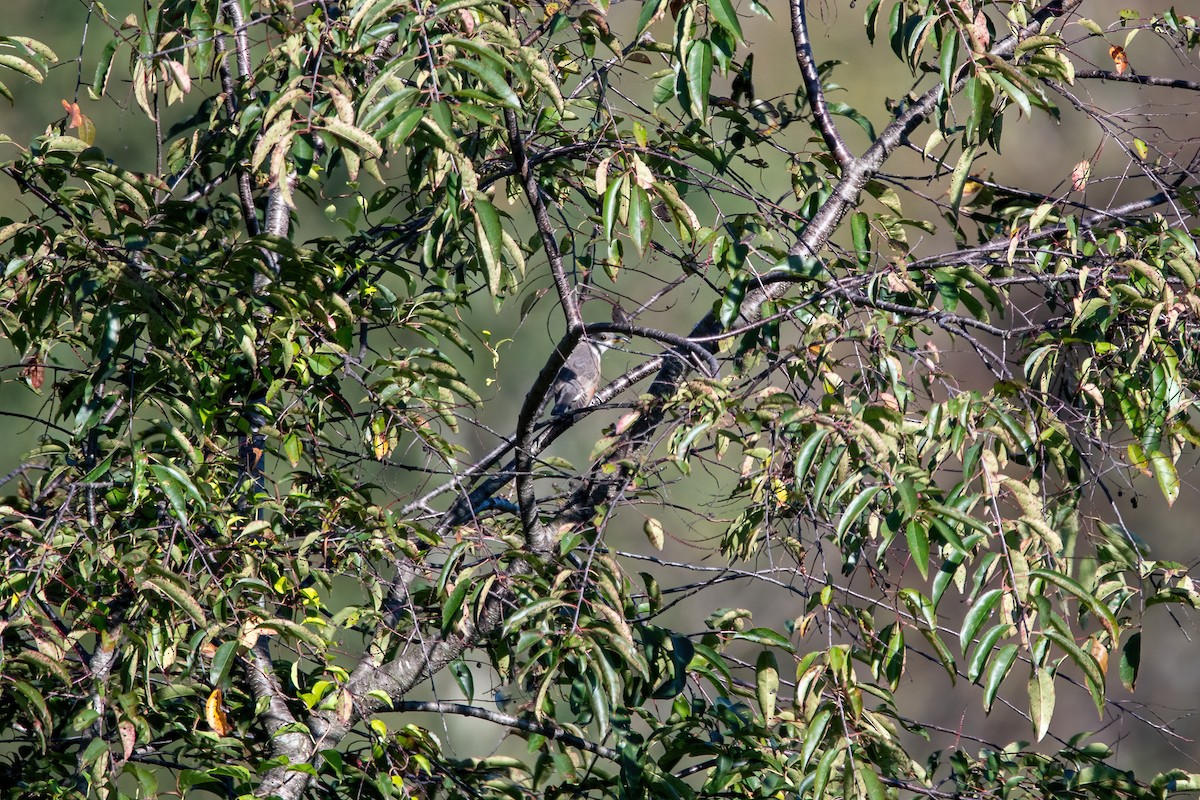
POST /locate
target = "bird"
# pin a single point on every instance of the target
(576, 383)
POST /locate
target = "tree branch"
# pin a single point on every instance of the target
(812, 85)
(245, 191)
(295, 745)
(528, 726)
(534, 400)
(1145, 80)
(813, 238)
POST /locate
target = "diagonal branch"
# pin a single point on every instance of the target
(600, 488)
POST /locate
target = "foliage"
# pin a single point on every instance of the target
(255, 523)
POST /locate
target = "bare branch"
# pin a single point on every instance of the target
(812, 85)
(1145, 80)
(528, 726)
(570, 307)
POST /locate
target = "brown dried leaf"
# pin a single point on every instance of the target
(1120, 60)
(981, 39)
(1080, 175)
(468, 21)
(128, 738)
(34, 372)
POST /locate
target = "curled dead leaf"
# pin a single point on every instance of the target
(34, 372)
(654, 532)
(1080, 175)
(74, 115)
(1120, 60)
(215, 716)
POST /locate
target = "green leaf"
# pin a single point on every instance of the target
(919, 606)
(18, 64)
(1131, 661)
(854, 510)
(295, 630)
(725, 15)
(147, 779)
(1014, 93)
(641, 218)
(180, 596)
(947, 62)
(612, 206)
(983, 651)
(292, 448)
(517, 618)
(766, 684)
(815, 734)
(1041, 701)
(357, 137)
(650, 10)
(38, 49)
(1164, 472)
(103, 70)
(866, 775)
(978, 614)
(807, 452)
(1094, 604)
(222, 664)
(860, 229)
(1085, 661)
(494, 80)
(177, 487)
(698, 66)
(958, 179)
(917, 536)
(490, 236)
(464, 678)
(823, 770)
(765, 636)
(454, 603)
(945, 657)
(398, 129)
(34, 704)
(996, 675)
(731, 300)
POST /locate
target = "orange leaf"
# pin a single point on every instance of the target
(74, 116)
(215, 715)
(1120, 60)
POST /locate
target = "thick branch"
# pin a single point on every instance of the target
(295, 745)
(570, 306)
(812, 86)
(229, 90)
(523, 462)
(814, 237)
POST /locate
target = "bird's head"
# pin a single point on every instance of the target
(601, 342)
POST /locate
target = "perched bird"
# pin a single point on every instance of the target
(576, 383)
